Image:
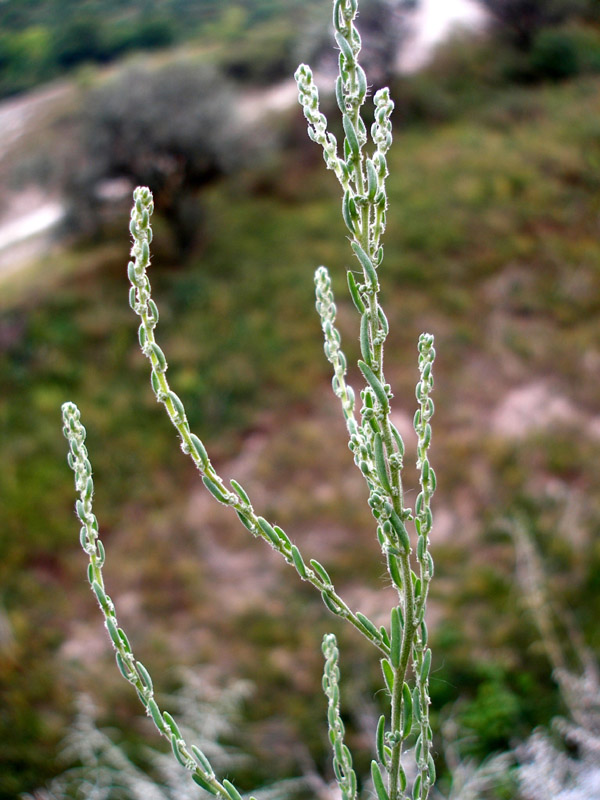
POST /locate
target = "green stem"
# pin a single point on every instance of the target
(408, 634)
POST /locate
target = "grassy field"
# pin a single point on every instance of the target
(493, 246)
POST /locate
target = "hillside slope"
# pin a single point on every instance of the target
(493, 246)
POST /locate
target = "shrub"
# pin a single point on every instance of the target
(520, 21)
(172, 128)
(554, 55)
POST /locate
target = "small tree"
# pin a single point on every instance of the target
(171, 128)
(519, 21)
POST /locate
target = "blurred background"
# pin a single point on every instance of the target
(492, 244)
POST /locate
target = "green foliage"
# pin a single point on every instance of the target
(173, 128)
(554, 56)
(43, 39)
(519, 21)
(561, 53)
(260, 56)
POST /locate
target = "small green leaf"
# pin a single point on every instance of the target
(155, 714)
(298, 562)
(429, 559)
(204, 762)
(416, 704)
(385, 326)
(231, 790)
(153, 309)
(378, 781)
(344, 46)
(426, 666)
(400, 531)
(432, 480)
(132, 274)
(335, 609)
(388, 674)
(176, 752)
(367, 624)
(246, 522)
(201, 781)
(402, 779)
(361, 79)
(384, 636)
(145, 676)
(268, 530)
(283, 537)
(380, 464)
(417, 787)
(321, 571)
(200, 449)
(419, 746)
(112, 631)
(332, 718)
(339, 94)
(431, 768)
(155, 381)
(407, 715)
(365, 338)
(240, 491)
(372, 181)
(381, 740)
(172, 724)
(215, 490)
(159, 361)
(124, 640)
(375, 384)
(349, 212)
(177, 404)
(122, 668)
(355, 294)
(394, 570)
(365, 263)
(398, 438)
(351, 135)
(80, 509)
(99, 592)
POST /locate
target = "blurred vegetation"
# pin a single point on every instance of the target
(493, 245)
(519, 21)
(173, 128)
(41, 39)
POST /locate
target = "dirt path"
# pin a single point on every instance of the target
(28, 215)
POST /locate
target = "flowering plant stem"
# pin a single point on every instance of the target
(375, 442)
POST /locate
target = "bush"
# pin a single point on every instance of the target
(519, 21)
(173, 128)
(554, 55)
